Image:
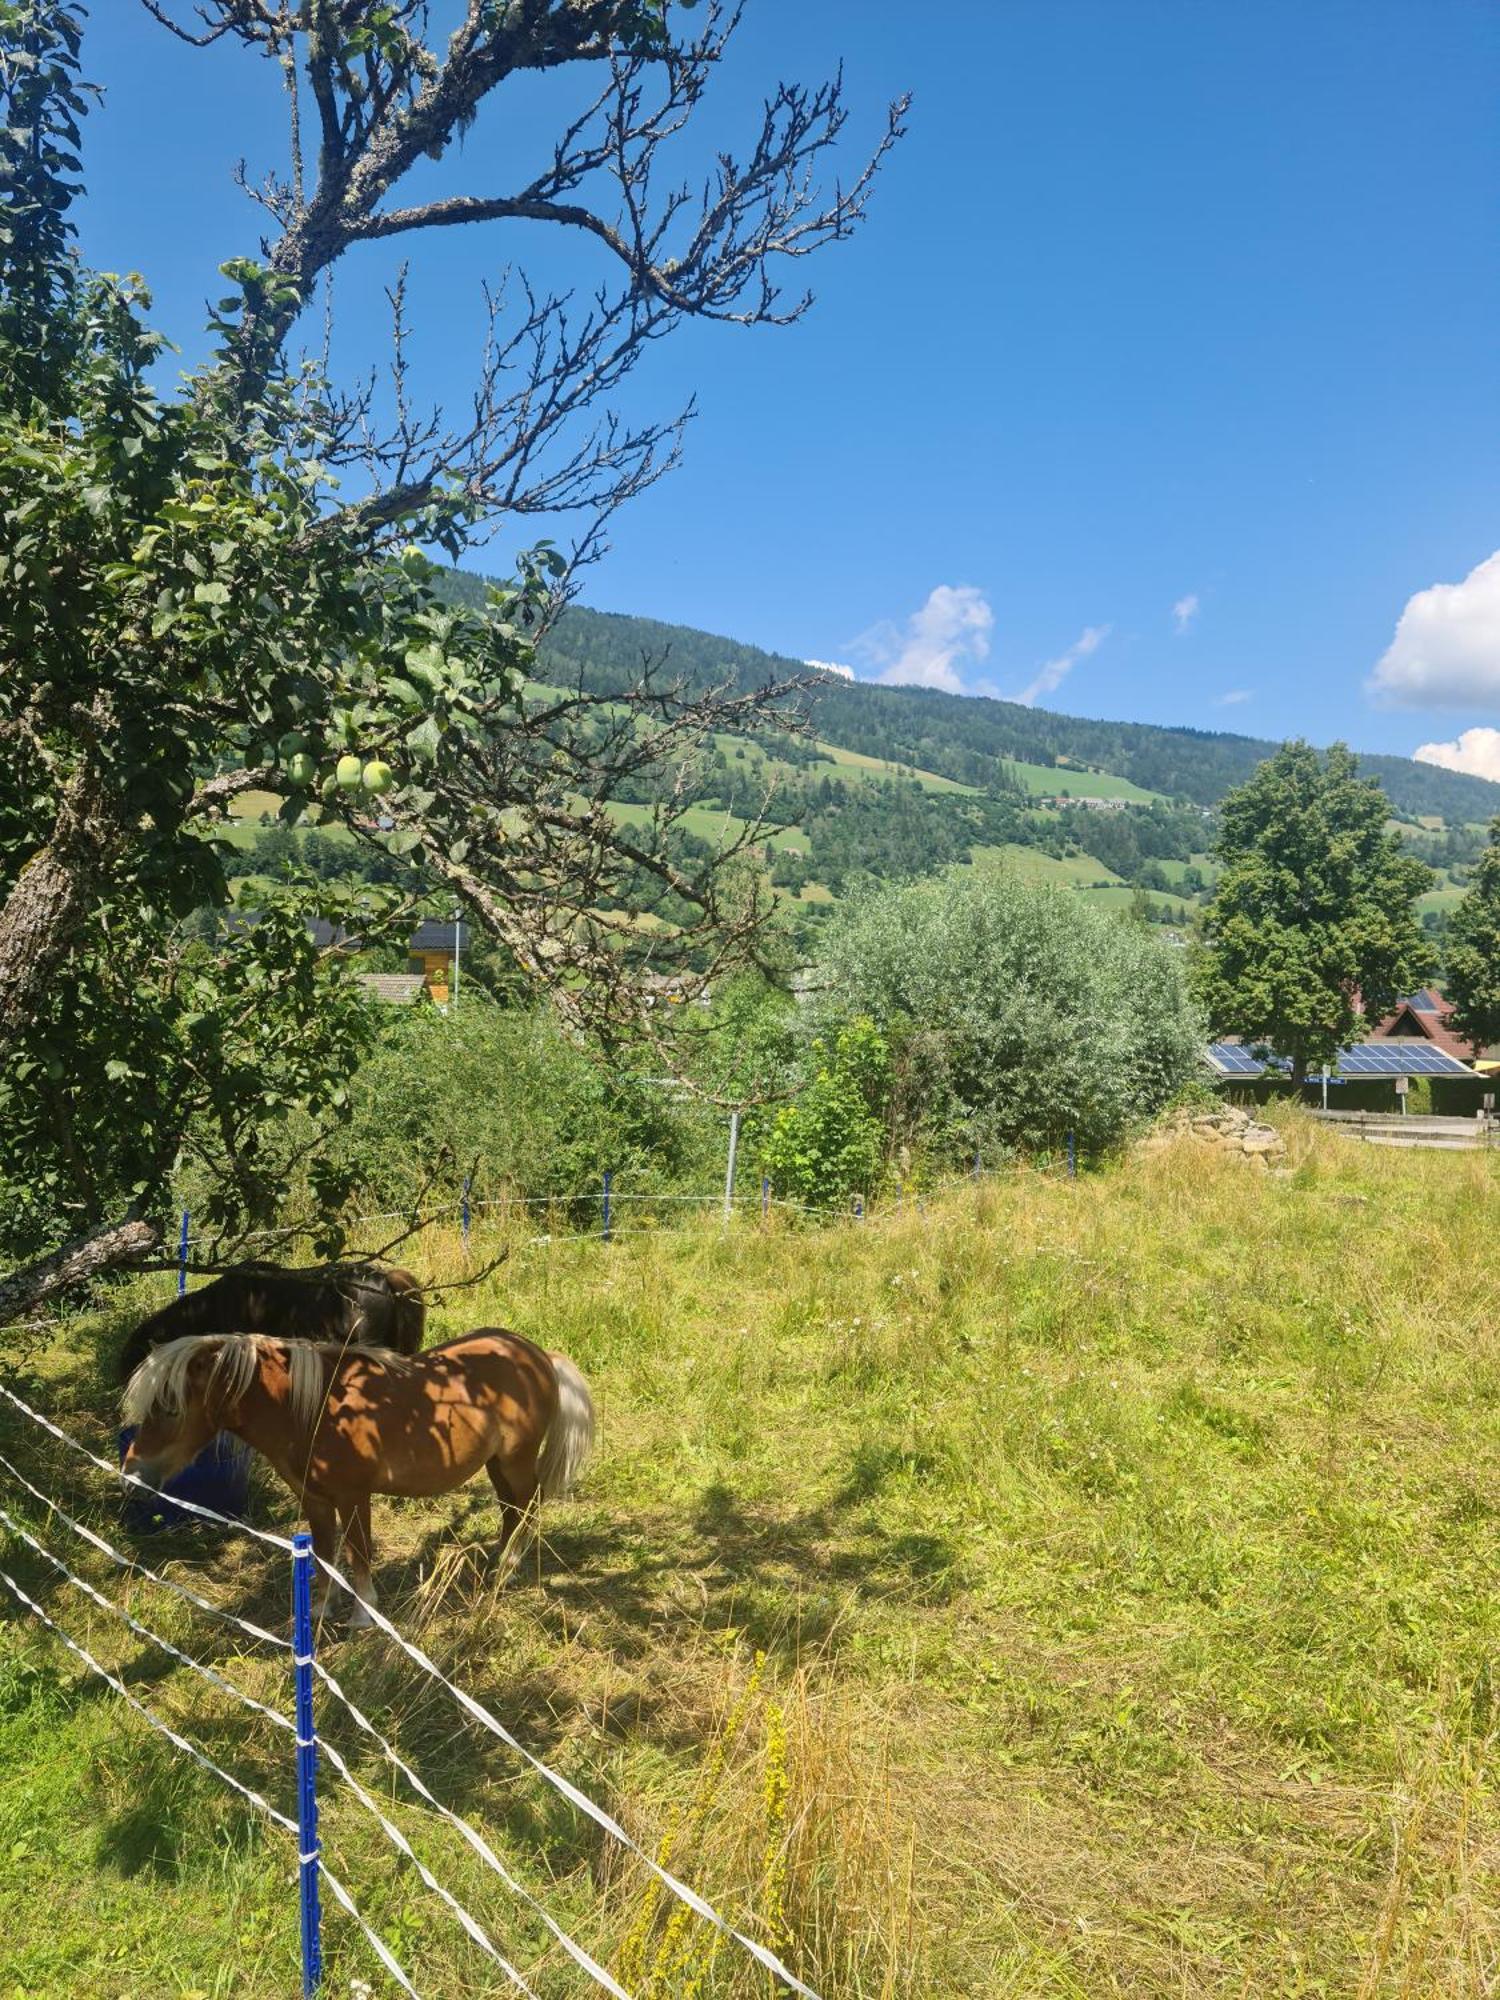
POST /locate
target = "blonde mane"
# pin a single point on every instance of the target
(159, 1386)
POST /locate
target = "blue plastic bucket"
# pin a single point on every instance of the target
(219, 1477)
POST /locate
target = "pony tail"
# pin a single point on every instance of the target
(570, 1437)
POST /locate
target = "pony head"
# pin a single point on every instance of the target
(181, 1395)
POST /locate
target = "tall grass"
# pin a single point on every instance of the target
(1082, 1587)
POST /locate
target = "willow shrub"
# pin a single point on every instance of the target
(505, 1090)
(1015, 1013)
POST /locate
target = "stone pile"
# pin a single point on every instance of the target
(1228, 1128)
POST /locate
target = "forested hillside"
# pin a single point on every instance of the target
(965, 737)
(898, 783)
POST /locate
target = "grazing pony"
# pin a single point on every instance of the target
(342, 1423)
(374, 1305)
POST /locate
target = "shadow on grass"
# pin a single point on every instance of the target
(782, 1578)
(155, 1834)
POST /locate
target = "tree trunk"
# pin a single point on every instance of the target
(85, 1257)
(50, 897)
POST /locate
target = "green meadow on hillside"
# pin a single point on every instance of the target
(1049, 781)
(1069, 871)
(1068, 1589)
(851, 764)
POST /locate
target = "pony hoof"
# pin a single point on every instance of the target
(359, 1618)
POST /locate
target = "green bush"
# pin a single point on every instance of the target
(1015, 1014)
(542, 1115)
(830, 1143)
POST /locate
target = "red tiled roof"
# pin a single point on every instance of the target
(1432, 1025)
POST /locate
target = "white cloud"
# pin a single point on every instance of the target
(1476, 751)
(952, 628)
(1446, 652)
(831, 667)
(1235, 696)
(1184, 611)
(1055, 672)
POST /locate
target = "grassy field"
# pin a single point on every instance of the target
(1074, 1589)
(1175, 870)
(1094, 882)
(1068, 871)
(713, 824)
(854, 764)
(1049, 780)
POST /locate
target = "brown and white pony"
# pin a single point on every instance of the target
(378, 1305)
(340, 1424)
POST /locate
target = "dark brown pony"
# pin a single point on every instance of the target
(376, 1305)
(342, 1423)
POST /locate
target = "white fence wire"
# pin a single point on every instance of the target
(476, 1710)
(247, 1792)
(283, 1722)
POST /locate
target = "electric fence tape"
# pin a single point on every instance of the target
(478, 1711)
(340, 1893)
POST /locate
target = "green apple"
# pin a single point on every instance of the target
(348, 772)
(378, 776)
(291, 745)
(300, 768)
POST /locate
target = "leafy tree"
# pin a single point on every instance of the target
(830, 1143)
(507, 1087)
(225, 588)
(1314, 916)
(224, 1058)
(1014, 1013)
(1472, 951)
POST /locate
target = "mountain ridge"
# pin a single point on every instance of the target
(969, 737)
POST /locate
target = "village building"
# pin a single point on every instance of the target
(1427, 1016)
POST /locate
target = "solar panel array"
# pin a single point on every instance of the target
(1391, 1059)
(1232, 1060)
(1400, 1059)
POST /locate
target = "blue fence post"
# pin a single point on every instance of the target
(307, 1763)
(1072, 1152)
(859, 1208)
(182, 1250)
(467, 1178)
(608, 1178)
(765, 1195)
(976, 1163)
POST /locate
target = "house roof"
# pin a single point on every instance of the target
(324, 934)
(1397, 1055)
(1428, 1014)
(436, 934)
(396, 989)
(433, 935)
(327, 936)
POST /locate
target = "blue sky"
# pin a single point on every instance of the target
(1160, 384)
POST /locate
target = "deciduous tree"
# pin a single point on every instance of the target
(1472, 951)
(1015, 1014)
(1314, 915)
(226, 588)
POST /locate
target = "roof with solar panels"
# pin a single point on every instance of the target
(1395, 1057)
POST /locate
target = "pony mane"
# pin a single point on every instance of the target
(159, 1386)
